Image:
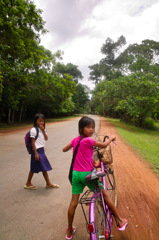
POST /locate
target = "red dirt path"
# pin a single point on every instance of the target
(138, 190)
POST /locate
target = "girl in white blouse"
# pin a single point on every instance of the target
(39, 161)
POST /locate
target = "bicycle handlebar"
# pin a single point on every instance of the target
(100, 155)
(108, 138)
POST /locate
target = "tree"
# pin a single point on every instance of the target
(70, 68)
(95, 73)
(108, 67)
(141, 100)
(132, 91)
(133, 98)
(20, 26)
(142, 57)
(81, 99)
(31, 77)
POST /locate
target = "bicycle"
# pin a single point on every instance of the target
(107, 157)
(100, 220)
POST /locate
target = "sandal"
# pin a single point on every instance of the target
(32, 187)
(53, 186)
(122, 228)
(74, 230)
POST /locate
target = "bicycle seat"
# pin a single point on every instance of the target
(94, 175)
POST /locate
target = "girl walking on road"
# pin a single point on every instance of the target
(39, 161)
(83, 165)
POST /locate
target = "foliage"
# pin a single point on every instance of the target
(31, 77)
(20, 27)
(134, 95)
(108, 67)
(142, 57)
(81, 99)
(69, 68)
(150, 124)
(133, 98)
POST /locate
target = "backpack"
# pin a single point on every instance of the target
(27, 139)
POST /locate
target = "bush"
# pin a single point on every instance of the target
(150, 124)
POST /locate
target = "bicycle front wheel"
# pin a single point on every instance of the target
(98, 220)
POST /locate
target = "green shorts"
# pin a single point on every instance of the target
(78, 182)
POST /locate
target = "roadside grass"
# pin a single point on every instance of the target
(7, 127)
(144, 142)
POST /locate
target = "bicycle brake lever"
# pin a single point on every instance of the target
(114, 142)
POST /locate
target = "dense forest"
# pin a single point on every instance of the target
(127, 82)
(33, 79)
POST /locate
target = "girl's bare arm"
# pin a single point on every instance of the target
(34, 149)
(106, 143)
(68, 147)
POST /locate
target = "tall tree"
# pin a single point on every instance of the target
(108, 67)
(95, 73)
(142, 57)
(81, 98)
(69, 68)
(20, 27)
(133, 98)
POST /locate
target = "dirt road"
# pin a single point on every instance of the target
(138, 191)
(42, 214)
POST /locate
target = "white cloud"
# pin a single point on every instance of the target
(79, 28)
(64, 17)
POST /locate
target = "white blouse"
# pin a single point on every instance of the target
(40, 141)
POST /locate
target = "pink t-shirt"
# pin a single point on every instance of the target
(83, 161)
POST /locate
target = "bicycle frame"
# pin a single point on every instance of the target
(107, 212)
(91, 198)
(91, 226)
(95, 199)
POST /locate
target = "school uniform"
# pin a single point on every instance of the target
(43, 163)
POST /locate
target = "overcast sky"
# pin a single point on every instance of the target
(80, 27)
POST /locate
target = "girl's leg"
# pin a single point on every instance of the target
(119, 221)
(30, 176)
(48, 183)
(71, 213)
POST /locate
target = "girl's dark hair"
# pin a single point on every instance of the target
(36, 117)
(83, 122)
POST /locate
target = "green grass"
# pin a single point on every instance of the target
(144, 142)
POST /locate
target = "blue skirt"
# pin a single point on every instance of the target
(42, 165)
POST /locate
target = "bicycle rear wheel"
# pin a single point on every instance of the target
(111, 185)
(98, 220)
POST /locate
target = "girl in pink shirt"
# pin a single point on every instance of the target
(83, 165)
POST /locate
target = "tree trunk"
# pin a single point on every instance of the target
(20, 114)
(9, 115)
(13, 114)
